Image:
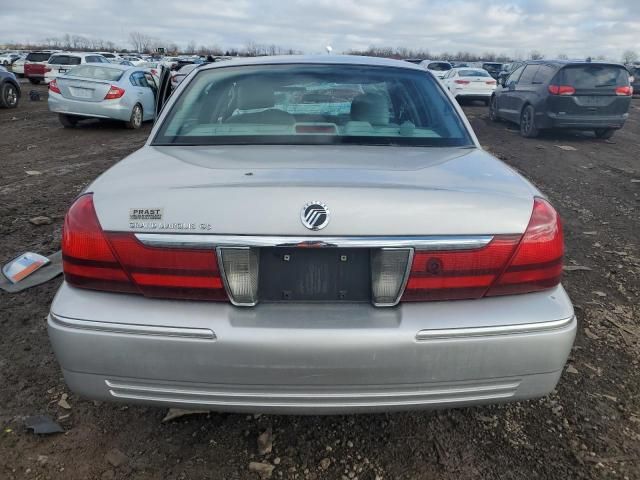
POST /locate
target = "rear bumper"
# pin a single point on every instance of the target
(113, 109)
(553, 120)
(311, 359)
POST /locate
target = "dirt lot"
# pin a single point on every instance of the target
(588, 428)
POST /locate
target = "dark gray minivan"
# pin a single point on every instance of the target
(546, 94)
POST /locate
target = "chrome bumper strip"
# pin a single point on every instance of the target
(436, 242)
(493, 331)
(153, 330)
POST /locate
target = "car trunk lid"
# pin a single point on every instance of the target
(83, 89)
(260, 190)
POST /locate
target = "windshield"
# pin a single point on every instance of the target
(439, 66)
(473, 73)
(312, 104)
(96, 73)
(594, 76)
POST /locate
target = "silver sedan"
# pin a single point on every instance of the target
(311, 235)
(105, 91)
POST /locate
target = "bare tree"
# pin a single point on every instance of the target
(536, 55)
(562, 56)
(629, 56)
(140, 41)
(191, 47)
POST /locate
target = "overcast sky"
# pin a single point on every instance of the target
(515, 27)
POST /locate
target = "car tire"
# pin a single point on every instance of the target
(34, 81)
(528, 127)
(135, 121)
(604, 133)
(67, 121)
(493, 109)
(9, 96)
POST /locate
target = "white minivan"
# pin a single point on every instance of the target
(61, 63)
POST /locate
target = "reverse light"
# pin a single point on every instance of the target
(388, 274)
(561, 90)
(114, 92)
(240, 268)
(53, 86)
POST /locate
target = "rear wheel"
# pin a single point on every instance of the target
(67, 121)
(528, 127)
(35, 81)
(9, 96)
(135, 121)
(604, 133)
(493, 109)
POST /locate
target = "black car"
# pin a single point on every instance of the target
(9, 89)
(546, 94)
(493, 68)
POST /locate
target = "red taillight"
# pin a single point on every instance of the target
(53, 86)
(114, 92)
(509, 264)
(537, 263)
(462, 82)
(561, 90)
(490, 82)
(47, 69)
(118, 262)
(627, 90)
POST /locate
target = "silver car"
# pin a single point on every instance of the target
(311, 235)
(106, 91)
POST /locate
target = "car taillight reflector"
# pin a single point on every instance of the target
(114, 92)
(537, 263)
(509, 264)
(561, 90)
(53, 86)
(119, 262)
(626, 90)
(462, 82)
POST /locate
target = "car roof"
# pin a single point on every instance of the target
(570, 62)
(317, 60)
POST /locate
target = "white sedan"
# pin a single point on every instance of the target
(470, 84)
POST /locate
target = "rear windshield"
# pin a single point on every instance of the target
(439, 66)
(312, 104)
(473, 73)
(38, 57)
(492, 67)
(594, 76)
(64, 60)
(96, 72)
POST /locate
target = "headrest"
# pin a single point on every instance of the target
(252, 96)
(370, 107)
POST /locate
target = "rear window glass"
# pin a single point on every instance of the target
(492, 67)
(64, 60)
(313, 104)
(439, 66)
(38, 57)
(96, 72)
(594, 76)
(473, 73)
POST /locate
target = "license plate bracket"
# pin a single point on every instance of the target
(315, 275)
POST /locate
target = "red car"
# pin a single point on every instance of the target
(34, 66)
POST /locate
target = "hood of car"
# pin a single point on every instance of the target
(368, 190)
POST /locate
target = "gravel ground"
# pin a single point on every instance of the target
(588, 428)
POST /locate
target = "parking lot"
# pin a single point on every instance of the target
(588, 428)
